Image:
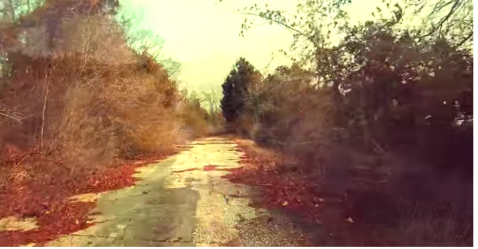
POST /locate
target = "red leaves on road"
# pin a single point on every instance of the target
(47, 202)
(278, 190)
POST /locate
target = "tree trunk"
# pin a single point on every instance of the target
(12, 10)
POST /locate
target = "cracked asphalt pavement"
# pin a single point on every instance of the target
(177, 203)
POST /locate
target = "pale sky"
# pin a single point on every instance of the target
(204, 35)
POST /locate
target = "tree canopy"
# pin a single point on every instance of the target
(236, 89)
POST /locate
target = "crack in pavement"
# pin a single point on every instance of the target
(145, 240)
(183, 207)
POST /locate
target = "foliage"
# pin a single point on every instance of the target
(385, 90)
(452, 19)
(79, 90)
(379, 76)
(236, 89)
(194, 115)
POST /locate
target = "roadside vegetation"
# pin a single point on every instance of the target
(370, 134)
(83, 94)
(367, 136)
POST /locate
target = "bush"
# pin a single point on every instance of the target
(381, 94)
(82, 97)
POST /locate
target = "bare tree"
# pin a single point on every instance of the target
(146, 40)
(212, 98)
(452, 18)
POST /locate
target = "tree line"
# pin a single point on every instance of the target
(382, 83)
(381, 119)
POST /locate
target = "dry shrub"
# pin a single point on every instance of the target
(143, 114)
(85, 137)
(384, 92)
(86, 100)
(195, 117)
(217, 126)
(393, 200)
(395, 196)
(195, 124)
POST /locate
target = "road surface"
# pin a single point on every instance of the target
(176, 202)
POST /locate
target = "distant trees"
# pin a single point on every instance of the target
(193, 114)
(212, 99)
(236, 90)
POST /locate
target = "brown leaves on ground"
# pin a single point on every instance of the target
(354, 216)
(290, 191)
(283, 187)
(64, 219)
(47, 201)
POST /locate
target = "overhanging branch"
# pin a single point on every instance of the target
(309, 37)
(467, 38)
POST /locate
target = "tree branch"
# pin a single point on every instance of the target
(309, 37)
(4, 111)
(47, 87)
(465, 40)
(12, 9)
(438, 26)
(11, 117)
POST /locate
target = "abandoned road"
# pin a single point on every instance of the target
(184, 201)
